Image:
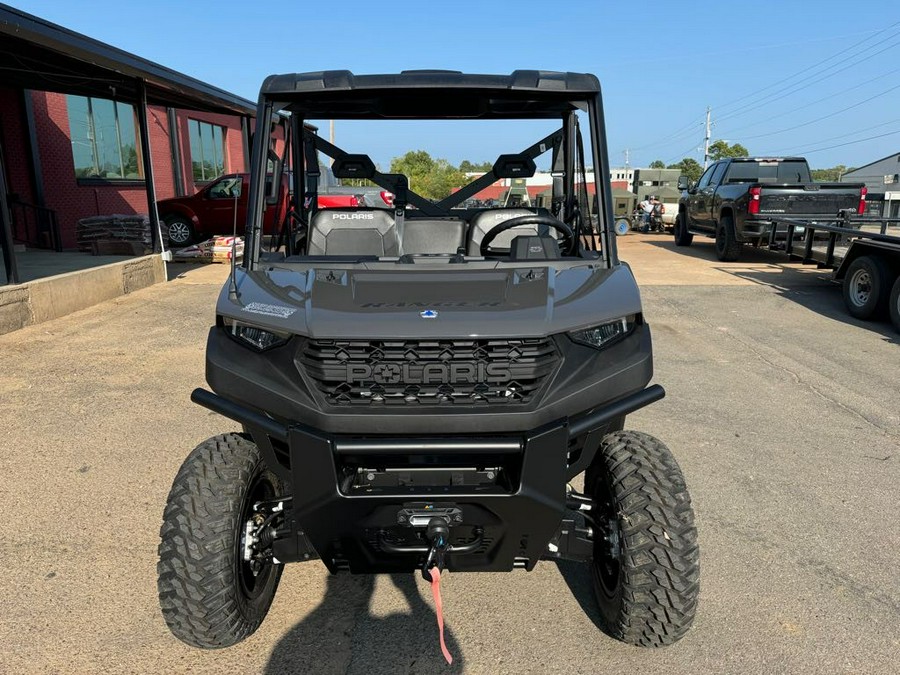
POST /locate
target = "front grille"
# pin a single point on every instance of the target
(428, 372)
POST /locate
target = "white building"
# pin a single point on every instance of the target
(623, 173)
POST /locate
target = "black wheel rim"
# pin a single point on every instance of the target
(607, 567)
(252, 586)
(179, 232)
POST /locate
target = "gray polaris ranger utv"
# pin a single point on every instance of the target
(422, 387)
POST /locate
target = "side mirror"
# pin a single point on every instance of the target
(514, 166)
(684, 183)
(353, 166)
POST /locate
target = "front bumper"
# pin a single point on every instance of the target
(351, 495)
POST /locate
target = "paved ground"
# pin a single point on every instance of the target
(783, 412)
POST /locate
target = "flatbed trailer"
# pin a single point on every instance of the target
(862, 252)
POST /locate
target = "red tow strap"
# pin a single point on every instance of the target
(439, 609)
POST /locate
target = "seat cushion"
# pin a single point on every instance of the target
(432, 235)
(353, 231)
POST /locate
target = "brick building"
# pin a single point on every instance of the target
(75, 181)
(87, 129)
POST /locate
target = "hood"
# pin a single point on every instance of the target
(461, 302)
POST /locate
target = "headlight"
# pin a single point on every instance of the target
(249, 335)
(606, 333)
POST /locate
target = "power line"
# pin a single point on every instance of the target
(841, 145)
(824, 117)
(669, 137)
(852, 133)
(683, 154)
(684, 132)
(756, 92)
(771, 98)
(731, 132)
(674, 138)
(731, 50)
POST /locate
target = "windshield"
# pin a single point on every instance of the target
(368, 190)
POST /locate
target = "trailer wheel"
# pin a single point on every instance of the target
(866, 287)
(894, 304)
(682, 236)
(728, 248)
(209, 596)
(646, 566)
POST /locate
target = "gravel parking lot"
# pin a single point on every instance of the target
(783, 411)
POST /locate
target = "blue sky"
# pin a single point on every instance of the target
(789, 77)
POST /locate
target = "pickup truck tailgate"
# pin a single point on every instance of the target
(820, 199)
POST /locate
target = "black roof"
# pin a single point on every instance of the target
(37, 54)
(340, 94)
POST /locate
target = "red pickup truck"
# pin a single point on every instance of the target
(211, 211)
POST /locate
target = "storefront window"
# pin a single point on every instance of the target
(104, 138)
(207, 150)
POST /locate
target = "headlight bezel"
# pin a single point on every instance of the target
(258, 338)
(606, 334)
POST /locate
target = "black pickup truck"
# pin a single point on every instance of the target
(736, 199)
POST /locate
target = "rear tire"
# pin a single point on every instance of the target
(894, 304)
(728, 248)
(646, 569)
(208, 594)
(866, 287)
(682, 236)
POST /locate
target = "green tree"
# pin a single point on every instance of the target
(470, 167)
(657, 164)
(688, 167)
(829, 175)
(431, 178)
(720, 150)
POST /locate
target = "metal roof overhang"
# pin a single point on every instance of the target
(37, 54)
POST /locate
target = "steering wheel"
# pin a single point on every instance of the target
(567, 246)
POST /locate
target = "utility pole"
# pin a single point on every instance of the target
(628, 169)
(706, 143)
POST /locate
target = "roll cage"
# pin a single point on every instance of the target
(421, 95)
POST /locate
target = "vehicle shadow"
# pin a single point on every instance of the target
(577, 577)
(805, 285)
(343, 636)
(704, 248)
